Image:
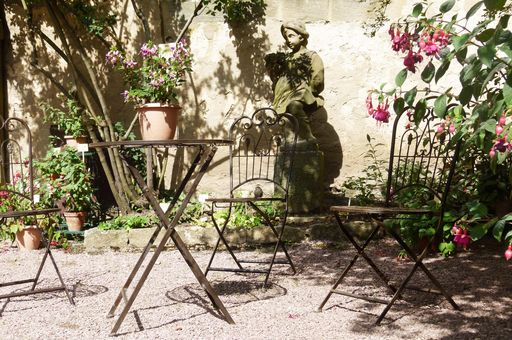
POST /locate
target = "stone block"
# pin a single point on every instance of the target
(260, 235)
(306, 187)
(325, 232)
(95, 239)
(194, 236)
(138, 238)
(294, 235)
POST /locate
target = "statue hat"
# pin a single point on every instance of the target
(297, 26)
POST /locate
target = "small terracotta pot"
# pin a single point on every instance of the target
(29, 238)
(157, 121)
(75, 219)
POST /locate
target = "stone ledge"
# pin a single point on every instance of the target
(96, 240)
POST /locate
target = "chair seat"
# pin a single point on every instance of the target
(382, 211)
(243, 199)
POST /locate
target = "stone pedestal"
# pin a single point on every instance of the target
(307, 181)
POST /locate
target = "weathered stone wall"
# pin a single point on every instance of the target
(228, 76)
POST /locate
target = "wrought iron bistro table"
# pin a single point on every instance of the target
(205, 150)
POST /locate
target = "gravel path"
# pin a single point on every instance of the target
(171, 305)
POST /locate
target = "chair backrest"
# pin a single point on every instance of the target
(262, 153)
(422, 160)
(16, 163)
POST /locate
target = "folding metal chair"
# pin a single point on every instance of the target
(16, 165)
(261, 161)
(422, 163)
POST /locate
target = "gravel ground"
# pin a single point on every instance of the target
(171, 305)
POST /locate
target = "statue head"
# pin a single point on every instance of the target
(298, 27)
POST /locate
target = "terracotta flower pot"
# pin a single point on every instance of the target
(157, 121)
(29, 238)
(75, 219)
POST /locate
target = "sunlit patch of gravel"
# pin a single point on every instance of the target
(172, 305)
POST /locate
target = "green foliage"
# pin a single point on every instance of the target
(16, 197)
(69, 120)
(367, 189)
(192, 214)
(96, 18)
(136, 155)
(130, 221)
(67, 179)
(237, 11)
(244, 217)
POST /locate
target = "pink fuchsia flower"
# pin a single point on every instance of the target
(508, 253)
(381, 113)
(499, 129)
(462, 238)
(369, 104)
(400, 42)
(411, 59)
(4, 194)
(502, 144)
(451, 129)
(440, 128)
(441, 37)
(455, 229)
(492, 153)
(503, 120)
(428, 45)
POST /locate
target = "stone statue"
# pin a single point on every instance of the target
(297, 78)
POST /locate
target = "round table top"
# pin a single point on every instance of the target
(163, 143)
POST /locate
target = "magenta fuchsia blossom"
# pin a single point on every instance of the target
(461, 237)
(508, 253)
(401, 42)
(428, 41)
(501, 144)
(381, 113)
(428, 45)
(411, 60)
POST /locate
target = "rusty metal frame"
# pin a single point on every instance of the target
(11, 157)
(425, 155)
(263, 152)
(205, 150)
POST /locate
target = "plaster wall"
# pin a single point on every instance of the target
(228, 76)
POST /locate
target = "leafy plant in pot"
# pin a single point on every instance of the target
(152, 85)
(68, 182)
(68, 120)
(26, 230)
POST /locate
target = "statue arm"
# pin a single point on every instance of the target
(317, 76)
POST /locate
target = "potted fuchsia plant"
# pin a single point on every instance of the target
(67, 180)
(152, 82)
